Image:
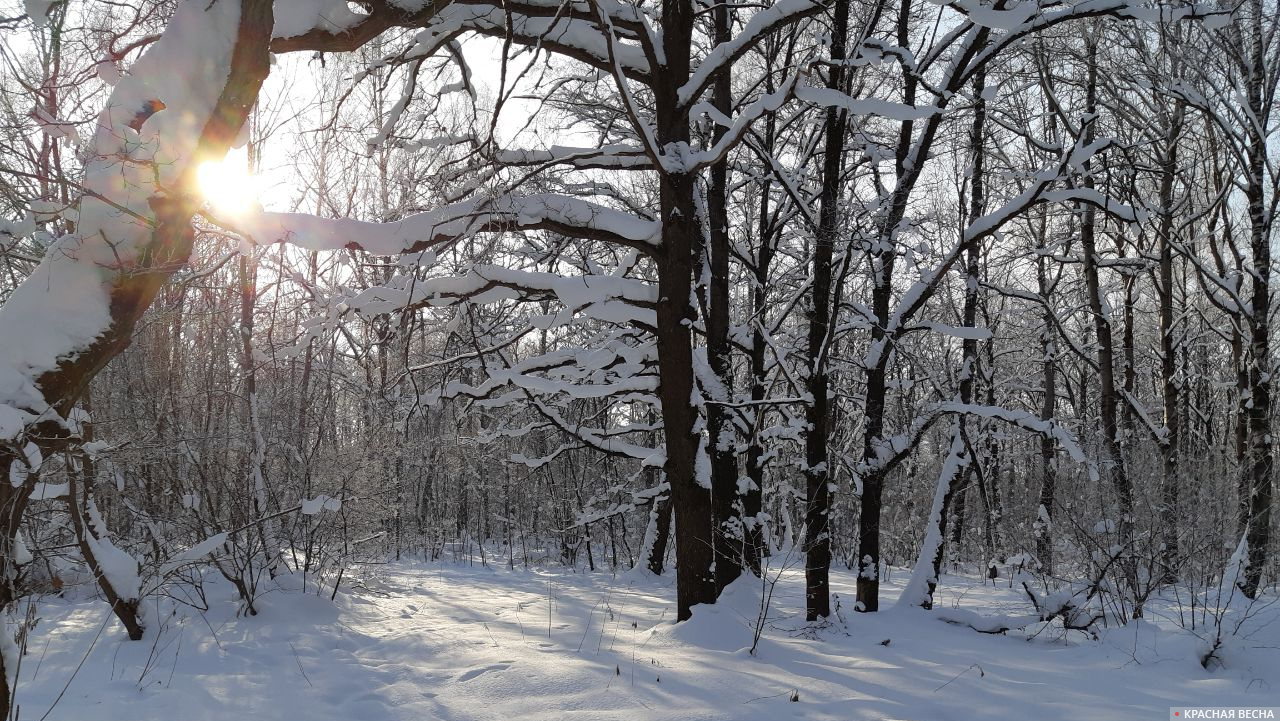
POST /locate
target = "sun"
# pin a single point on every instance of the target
(228, 185)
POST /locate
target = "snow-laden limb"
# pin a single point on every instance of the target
(49, 491)
(829, 98)
(1021, 419)
(580, 38)
(38, 11)
(919, 589)
(1040, 190)
(297, 17)
(608, 298)
(569, 29)
(599, 440)
(620, 378)
(120, 569)
(322, 502)
(54, 127)
(616, 370)
(393, 115)
(136, 157)
(760, 25)
(615, 157)
(985, 624)
(1009, 18)
(540, 385)
(422, 231)
(1074, 606)
(636, 499)
(738, 127)
(1223, 292)
(1037, 194)
(1010, 27)
(194, 554)
(889, 451)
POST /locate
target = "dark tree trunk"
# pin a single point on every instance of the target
(969, 346)
(721, 431)
(753, 499)
(79, 498)
(1260, 366)
(1048, 410)
(1171, 443)
(817, 566)
(661, 534)
(910, 154)
(1113, 467)
(681, 239)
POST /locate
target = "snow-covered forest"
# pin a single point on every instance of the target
(830, 359)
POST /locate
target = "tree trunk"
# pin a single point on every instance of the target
(1113, 467)
(656, 550)
(681, 238)
(1170, 444)
(817, 566)
(721, 432)
(1048, 410)
(266, 527)
(1260, 368)
(960, 472)
(79, 500)
(753, 499)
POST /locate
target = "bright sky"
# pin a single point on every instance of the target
(232, 190)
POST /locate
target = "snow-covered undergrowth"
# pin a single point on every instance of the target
(422, 642)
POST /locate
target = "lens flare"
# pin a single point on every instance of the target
(228, 186)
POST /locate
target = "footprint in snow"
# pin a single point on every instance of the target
(480, 671)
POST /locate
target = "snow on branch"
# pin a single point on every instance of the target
(569, 29)
(607, 442)
(918, 590)
(1087, 196)
(889, 451)
(1040, 190)
(297, 17)
(608, 298)
(616, 157)
(1034, 16)
(829, 98)
(736, 128)
(635, 499)
(1021, 419)
(760, 25)
(559, 213)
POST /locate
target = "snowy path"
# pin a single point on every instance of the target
(418, 642)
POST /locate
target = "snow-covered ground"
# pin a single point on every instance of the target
(415, 641)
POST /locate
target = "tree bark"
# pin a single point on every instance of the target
(817, 566)
(657, 551)
(1170, 444)
(721, 432)
(681, 239)
(1260, 366)
(1048, 411)
(963, 473)
(1113, 466)
(79, 498)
